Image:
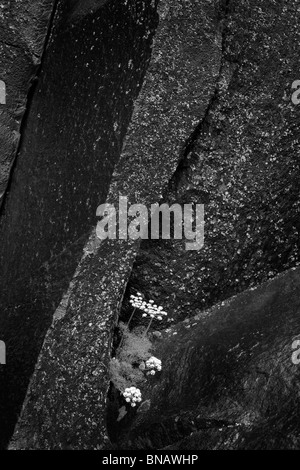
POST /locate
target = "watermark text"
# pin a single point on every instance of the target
(176, 222)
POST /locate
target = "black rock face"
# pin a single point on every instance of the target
(228, 380)
(24, 28)
(92, 72)
(74, 361)
(165, 101)
(243, 166)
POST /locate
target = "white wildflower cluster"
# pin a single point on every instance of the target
(149, 308)
(153, 310)
(153, 364)
(137, 300)
(132, 395)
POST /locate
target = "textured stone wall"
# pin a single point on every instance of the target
(228, 380)
(176, 91)
(203, 114)
(244, 167)
(91, 73)
(23, 32)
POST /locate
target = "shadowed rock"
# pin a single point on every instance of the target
(23, 32)
(80, 8)
(73, 363)
(201, 131)
(243, 166)
(91, 74)
(228, 380)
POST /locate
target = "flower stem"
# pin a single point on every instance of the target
(131, 316)
(148, 327)
(122, 339)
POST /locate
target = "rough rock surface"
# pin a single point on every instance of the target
(91, 74)
(228, 380)
(23, 33)
(214, 124)
(176, 91)
(244, 167)
(80, 8)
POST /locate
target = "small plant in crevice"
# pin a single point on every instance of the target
(132, 395)
(137, 302)
(148, 308)
(134, 362)
(154, 312)
(152, 365)
(124, 368)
